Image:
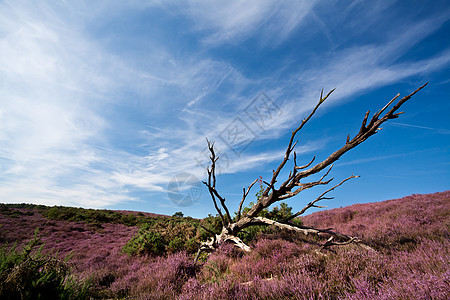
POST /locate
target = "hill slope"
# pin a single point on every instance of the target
(411, 235)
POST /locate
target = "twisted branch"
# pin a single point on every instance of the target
(292, 186)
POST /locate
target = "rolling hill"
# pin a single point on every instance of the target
(410, 235)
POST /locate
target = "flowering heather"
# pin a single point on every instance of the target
(411, 236)
(390, 224)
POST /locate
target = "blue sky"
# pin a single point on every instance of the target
(106, 104)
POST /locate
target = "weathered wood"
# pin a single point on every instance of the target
(292, 186)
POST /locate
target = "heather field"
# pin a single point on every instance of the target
(125, 255)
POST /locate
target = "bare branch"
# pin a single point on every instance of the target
(385, 107)
(326, 174)
(212, 188)
(321, 197)
(307, 165)
(363, 134)
(211, 184)
(245, 194)
(331, 242)
(363, 125)
(211, 244)
(209, 230)
(267, 221)
(290, 146)
(293, 185)
(215, 203)
(239, 243)
(304, 186)
(307, 230)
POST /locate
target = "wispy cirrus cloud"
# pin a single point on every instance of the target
(352, 70)
(57, 82)
(94, 107)
(436, 130)
(369, 65)
(54, 82)
(233, 21)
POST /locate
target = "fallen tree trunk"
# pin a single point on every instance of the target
(293, 185)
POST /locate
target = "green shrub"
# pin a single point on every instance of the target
(94, 217)
(191, 245)
(129, 219)
(212, 223)
(146, 242)
(176, 244)
(28, 275)
(161, 235)
(277, 213)
(13, 213)
(63, 213)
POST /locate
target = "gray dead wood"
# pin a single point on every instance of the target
(293, 185)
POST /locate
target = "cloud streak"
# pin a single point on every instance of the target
(436, 130)
(234, 21)
(86, 119)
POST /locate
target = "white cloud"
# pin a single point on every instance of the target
(363, 67)
(435, 130)
(233, 21)
(58, 84)
(350, 71)
(49, 120)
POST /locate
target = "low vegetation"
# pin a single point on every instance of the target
(411, 236)
(30, 274)
(163, 235)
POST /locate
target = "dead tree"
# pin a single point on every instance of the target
(292, 185)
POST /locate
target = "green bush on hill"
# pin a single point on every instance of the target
(30, 274)
(161, 235)
(91, 216)
(165, 235)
